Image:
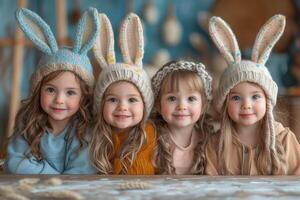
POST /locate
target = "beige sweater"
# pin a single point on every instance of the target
(243, 156)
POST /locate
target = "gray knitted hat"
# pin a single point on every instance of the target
(253, 70)
(198, 68)
(73, 59)
(132, 49)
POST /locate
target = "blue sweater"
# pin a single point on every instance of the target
(60, 155)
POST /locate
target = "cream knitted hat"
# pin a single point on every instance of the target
(73, 59)
(253, 70)
(132, 49)
(198, 68)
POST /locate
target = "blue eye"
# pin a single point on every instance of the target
(256, 96)
(133, 100)
(171, 98)
(235, 98)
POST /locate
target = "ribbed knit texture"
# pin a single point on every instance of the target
(198, 68)
(131, 69)
(143, 164)
(72, 59)
(253, 70)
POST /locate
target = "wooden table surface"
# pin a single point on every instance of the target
(161, 187)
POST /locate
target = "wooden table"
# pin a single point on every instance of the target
(165, 187)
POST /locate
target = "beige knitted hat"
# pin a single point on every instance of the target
(253, 70)
(132, 49)
(198, 68)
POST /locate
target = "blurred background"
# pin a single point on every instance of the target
(173, 29)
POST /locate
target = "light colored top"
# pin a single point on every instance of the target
(60, 155)
(243, 156)
(183, 156)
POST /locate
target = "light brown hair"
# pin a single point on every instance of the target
(164, 151)
(33, 128)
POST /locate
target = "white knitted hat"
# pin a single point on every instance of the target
(198, 68)
(253, 70)
(132, 49)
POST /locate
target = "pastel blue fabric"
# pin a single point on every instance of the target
(61, 155)
(74, 58)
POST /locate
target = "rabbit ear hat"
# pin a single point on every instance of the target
(132, 50)
(73, 59)
(253, 70)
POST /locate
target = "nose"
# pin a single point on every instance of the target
(59, 99)
(246, 105)
(181, 105)
(122, 106)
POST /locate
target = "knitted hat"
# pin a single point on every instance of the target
(253, 70)
(131, 70)
(54, 58)
(198, 68)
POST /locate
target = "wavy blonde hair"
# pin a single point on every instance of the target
(163, 154)
(268, 161)
(102, 145)
(33, 128)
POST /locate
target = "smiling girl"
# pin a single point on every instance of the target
(250, 141)
(50, 129)
(182, 93)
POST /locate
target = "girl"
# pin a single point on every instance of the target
(250, 142)
(123, 140)
(49, 135)
(182, 92)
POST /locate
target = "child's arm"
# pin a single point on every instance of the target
(17, 162)
(78, 160)
(292, 150)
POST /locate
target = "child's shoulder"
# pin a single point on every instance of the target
(282, 133)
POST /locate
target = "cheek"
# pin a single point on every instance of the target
(139, 109)
(44, 100)
(232, 109)
(165, 108)
(107, 109)
(75, 103)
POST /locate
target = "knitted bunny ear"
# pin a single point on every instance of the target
(132, 40)
(104, 46)
(37, 30)
(267, 37)
(224, 39)
(87, 30)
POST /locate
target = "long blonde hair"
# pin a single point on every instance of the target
(268, 161)
(33, 128)
(102, 146)
(163, 153)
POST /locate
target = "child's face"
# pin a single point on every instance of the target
(181, 109)
(123, 107)
(247, 104)
(60, 98)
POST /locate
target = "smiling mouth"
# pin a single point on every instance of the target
(58, 109)
(246, 115)
(121, 116)
(181, 116)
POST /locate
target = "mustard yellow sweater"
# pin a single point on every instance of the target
(143, 164)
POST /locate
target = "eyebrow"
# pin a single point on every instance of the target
(128, 95)
(252, 92)
(69, 88)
